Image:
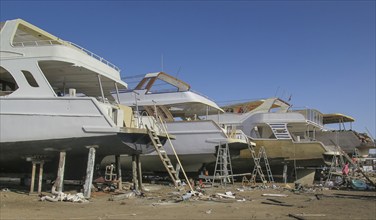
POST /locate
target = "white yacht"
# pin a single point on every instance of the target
(55, 96)
(297, 138)
(185, 113)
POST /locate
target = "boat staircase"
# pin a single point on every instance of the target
(161, 151)
(280, 131)
(159, 111)
(223, 168)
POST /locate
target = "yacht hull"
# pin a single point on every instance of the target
(16, 157)
(195, 143)
(286, 151)
(39, 128)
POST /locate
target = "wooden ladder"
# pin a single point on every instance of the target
(163, 156)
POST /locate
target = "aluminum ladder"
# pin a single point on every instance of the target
(163, 156)
(223, 167)
(262, 154)
(257, 168)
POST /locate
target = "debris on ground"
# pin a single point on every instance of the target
(228, 195)
(274, 195)
(60, 196)
(126, 195)
(79, 197)
(301, 216)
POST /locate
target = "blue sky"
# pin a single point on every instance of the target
(322, 53)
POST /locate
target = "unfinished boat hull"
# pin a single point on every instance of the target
(195, 143)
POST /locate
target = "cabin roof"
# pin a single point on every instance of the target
(334, 118)
(251, 105)
(148, 81)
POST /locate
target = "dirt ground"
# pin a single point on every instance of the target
(164, 202)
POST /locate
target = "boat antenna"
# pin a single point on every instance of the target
(177, 73)
(275, 95)
(162, 62)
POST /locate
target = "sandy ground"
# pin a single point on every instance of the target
(162, 202)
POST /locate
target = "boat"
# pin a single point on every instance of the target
(297, 138)
(55, 96)
(184, 113)
(351, 142)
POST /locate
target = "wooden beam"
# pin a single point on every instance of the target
(118, 167)
(60, 172)
(32, 177)
(89, 172)
(134, 172)
(40, 179)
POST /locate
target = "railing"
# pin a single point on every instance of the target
(37, 43)
(95, 56)
(152, 121)
(198, 93)
(57, 42)
(311, 115)
(236, 134)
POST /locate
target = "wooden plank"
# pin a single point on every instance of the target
(280, 204)
(297, 217)
(274, 200)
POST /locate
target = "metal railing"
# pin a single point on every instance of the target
(205, 96)
(236, 134)
(57, 42)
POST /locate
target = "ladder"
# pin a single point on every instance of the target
(334, 165)
(159, 111)
(163, 156)
(356, 156)
(257, 168)
(280, 130)
(223, 167)
(262, 153)
(110, 174)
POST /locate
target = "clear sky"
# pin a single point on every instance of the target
(321, 53)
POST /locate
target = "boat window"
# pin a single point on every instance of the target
(30, 78)
(7, 83)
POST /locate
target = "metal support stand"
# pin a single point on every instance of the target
(118, 167)
(89, 172)
(60, 173)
